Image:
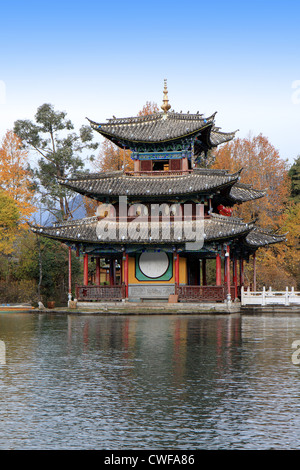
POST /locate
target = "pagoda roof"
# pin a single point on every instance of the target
(241, 192)
(216, 227)
(162, 127)
(259, 237)
(115, 184)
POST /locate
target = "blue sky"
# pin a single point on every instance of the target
(98, 59)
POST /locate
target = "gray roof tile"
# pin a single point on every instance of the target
(119, 184)
(161, 127)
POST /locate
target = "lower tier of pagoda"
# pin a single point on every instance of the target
(156, 261)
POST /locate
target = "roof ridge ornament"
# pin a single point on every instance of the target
(165, 106)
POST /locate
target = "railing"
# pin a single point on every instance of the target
(270, 297)
(201, 293)
(98, 293)
(158, 173)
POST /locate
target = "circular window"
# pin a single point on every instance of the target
(154, 264)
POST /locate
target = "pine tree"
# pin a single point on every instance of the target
(59, 155)
(294, 174)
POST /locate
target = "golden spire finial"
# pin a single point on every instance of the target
(165, 106)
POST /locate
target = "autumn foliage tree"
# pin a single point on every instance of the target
(263, 169)
(112, 158)
(15, 178)
(278, 265)
(149, 108)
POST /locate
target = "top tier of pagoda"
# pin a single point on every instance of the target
(165, 131)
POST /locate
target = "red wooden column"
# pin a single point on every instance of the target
(85, 269)
(241, 272)
(137, 166)
(218, 270)
(227, 260)
(185, 165)
(204, 283)
(176, 257)
(97, 271)
(125, 260)
(111, 272)
(225, 268)
(70, 274)
(235, 278)
(254, 272)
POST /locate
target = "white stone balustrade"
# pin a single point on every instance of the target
(270, 297)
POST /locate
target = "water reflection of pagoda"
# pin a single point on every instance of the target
(147, 222)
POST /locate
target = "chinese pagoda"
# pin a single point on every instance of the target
(157, 226)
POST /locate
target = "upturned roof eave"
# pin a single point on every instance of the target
(261, 238)
(241, 229)
(125, 141)
(254, 194)
(96, 194)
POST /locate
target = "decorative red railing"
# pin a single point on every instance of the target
(204, 293)
(185, 293)
(98, 293)
(158, 173)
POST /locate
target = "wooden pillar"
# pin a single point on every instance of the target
(254, 272)
(70, 274)
(241, 272)
(227, 259)
(204, 283)
(121, 271)
(235, 278)
(225, 271)
(111, 272)
(218, 270)
(85, 269)
(136, 166)
(97, 271)
(176, 257)
(185, 164)
(125, 259)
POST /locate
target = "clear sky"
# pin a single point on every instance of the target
(98, 58)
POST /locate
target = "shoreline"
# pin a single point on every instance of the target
(164, 308)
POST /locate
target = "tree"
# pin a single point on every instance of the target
(279, 264)
(15, 178)
(263, 169)
(294, 174)
(59, 155)
(148, 108)
(112, 158)
(52, 282)
(9, 217)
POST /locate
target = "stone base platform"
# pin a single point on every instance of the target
(146, 308)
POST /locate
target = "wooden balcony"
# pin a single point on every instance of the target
(205, 293)
(116, 293)
(97, 293)
(159, 173)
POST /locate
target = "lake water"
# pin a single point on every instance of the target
(149, 382)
